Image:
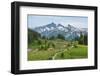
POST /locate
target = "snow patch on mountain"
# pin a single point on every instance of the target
(52, 29)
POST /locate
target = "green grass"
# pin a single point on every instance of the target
(74, 53)
(41, 55)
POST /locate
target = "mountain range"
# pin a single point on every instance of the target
(69, 32)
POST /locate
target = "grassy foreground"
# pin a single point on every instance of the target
(59, 52)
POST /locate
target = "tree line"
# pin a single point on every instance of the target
(33, 35)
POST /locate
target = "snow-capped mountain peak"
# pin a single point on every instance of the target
(53, 29)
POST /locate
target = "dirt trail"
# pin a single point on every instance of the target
(53, 58)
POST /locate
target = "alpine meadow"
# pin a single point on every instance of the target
(57, 37)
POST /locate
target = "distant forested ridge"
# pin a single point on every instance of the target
(32, 35)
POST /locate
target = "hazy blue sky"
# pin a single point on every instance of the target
(40, 20)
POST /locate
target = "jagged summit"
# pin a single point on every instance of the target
(51, 25)
(53, 29)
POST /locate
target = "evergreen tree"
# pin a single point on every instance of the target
(32, 35)
(43, 37)
(83, 39)
(61, 37)
(52, 38)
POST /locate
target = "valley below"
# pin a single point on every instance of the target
(60, 50)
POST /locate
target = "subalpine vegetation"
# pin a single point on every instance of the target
(53, 48)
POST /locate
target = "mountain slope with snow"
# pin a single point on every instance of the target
(52, 29)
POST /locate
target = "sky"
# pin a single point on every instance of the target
(41, 20)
